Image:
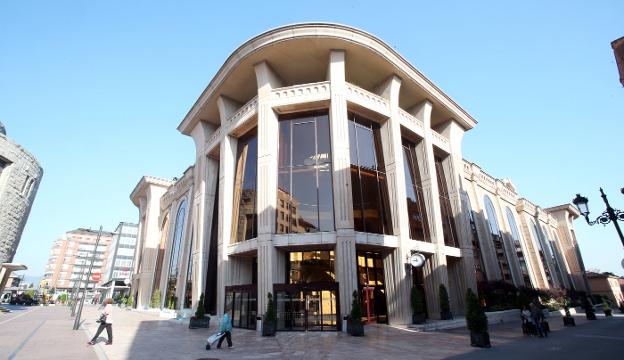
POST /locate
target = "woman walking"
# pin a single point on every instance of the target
(226, 328)
(106, 322)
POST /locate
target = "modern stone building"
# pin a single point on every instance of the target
(20, 174)
(70, 258)
(324, 161)
(119, 262)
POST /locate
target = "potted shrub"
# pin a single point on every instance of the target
(445, 308)
(590, 314)
(355, 327)
(269, 320)
(130, 302)
(418, 306)
(605, 307)
(199, 320)
(476, 320)
(568, 320)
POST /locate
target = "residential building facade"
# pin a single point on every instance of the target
(70, 258)
(324, 161)
(119, 262)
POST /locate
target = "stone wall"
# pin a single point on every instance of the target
(19, 181)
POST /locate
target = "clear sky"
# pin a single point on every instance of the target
(96, 89)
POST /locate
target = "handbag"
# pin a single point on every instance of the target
(102, 319)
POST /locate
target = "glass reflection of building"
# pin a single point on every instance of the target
(171, 300)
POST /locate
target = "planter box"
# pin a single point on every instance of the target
(268, 328)
(419, 319)
(355, 328)
(480, 339)
(199, 323)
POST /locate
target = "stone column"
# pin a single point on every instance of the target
(268, 130)
(227, 167)
(204, 176)
(398, 280)
(346, 260)
(436, 270)
(454, 170)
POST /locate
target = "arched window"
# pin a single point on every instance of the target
(540, 249)
(518, 247)
(476, 247)
(174, 260)
(553, 255)
(499, 246)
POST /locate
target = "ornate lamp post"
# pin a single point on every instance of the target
(609, 215)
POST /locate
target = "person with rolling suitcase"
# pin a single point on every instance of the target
(225, 332)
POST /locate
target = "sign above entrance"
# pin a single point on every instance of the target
(417, 260)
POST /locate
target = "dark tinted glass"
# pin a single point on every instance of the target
(244, 212)
(369, 190)
(415, 199)
(305, 200)
(448, 225)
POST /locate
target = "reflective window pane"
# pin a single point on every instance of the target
(244, 212)
(326, 201)
(304, 141)
(366, 147)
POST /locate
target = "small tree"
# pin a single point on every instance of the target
(476, 320)
(444, 299)
(200, 312)
(356, 308)
(130, 301)
(155, 299)
(62, 298)
(270, 314)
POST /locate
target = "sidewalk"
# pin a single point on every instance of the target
(143, 335)
(42, 333)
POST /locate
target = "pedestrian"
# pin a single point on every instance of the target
(106, 322)
(537, 316)
(226, 327)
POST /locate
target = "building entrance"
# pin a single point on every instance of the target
(307, 307)
(371, 287)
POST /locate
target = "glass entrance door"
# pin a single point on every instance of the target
(307, 308)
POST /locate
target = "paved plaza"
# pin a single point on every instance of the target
(45, 332)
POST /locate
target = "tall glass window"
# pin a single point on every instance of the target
(553, 255)
(476, 246)
(448, 225)
(419, 229)
(499, 246)
(518, 247)
(306, 267)
(188, 289)
(540, 250)
(305, 200)
(371, 210)
(160, 257)
(244, 217)
(174, 260)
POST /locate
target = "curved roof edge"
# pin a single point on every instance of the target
(330, 30)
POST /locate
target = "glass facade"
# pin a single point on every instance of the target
(245, 217)
(448, 225)
(553, 255)
(540, 248)
(371, 285)
(188, 288)
(371, 210)
(242, 305)
(476, 246)
(497, 238)
(304, 196)
(174, 261)
(418, 226)
(515, 237)
(309, 299)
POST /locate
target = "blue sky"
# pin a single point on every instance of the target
(96, 89)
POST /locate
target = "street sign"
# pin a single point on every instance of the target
(96, 276)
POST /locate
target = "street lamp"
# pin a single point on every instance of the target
(606, 217)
